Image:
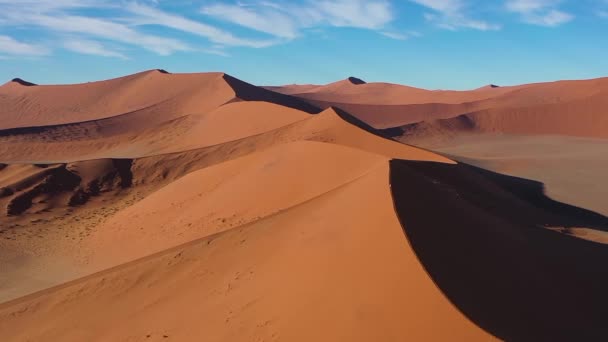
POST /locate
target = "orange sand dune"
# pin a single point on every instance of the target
(305, 274)
(356, 91)
(564, 107)
(227, 197)
(153, 93)
(125, 137)
(230, 122)
(43, 105)
(90, 192)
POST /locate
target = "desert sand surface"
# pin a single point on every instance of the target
(571, 168)
(162, 206)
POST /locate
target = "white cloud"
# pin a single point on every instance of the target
(146, 15)
(48, 5)
(266, 18)
(120, 24)
(400, 35)
(452, 15)
(10, 46)
(55, 17)
(286, 21)
(395, 35)
(110, 30)
(539, 12)
(602, 9)
(444, 6)
(355, 13)
(90, 47)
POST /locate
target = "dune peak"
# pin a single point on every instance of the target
(355, 80)
(22, 82)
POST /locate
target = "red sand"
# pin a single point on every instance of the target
(197, 206)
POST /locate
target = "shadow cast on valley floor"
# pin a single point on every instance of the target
(480, 237)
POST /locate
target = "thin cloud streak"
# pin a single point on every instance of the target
(539, 12)
(287, 21)
(452, 15)
(10, 46)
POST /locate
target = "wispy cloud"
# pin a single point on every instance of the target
(10, 46)
(119, 24)
(90, 47)
(264, 18)
(400, 35)
(146, 15)
(602, 8)
(110, 30)
(453, 14)
(56, 17)
(539, 12)
(286, 21)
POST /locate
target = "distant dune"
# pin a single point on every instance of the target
(565, 107)
(200, 207)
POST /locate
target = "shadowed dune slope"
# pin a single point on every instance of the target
(334, 268)
(491, 254)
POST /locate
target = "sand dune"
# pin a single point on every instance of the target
(197, 206)
(92, 187)
(356, 91)
(565, 107)
(43, 105)
(275, 279)
(173, 95)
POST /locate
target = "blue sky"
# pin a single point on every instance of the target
(447, 44)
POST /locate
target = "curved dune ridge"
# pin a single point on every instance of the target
(200, 207)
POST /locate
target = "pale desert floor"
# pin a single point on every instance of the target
(573, 169)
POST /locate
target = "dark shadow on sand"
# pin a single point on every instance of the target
(479, 235)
